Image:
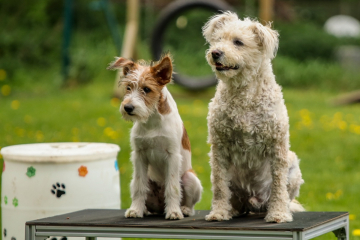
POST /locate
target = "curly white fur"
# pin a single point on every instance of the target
(252, 166)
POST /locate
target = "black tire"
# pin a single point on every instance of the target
(172, 11)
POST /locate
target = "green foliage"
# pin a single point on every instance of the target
(32, 33)
(314, 73)
(184, 38)
(307, 41)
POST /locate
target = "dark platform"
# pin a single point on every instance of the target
(115, 218)
(94, 223)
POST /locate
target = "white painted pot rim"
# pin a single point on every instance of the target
(60, 152)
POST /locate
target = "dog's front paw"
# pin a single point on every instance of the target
(187, 211)
(174, 215)
(218, 216)
(133, 213)
(278, 217)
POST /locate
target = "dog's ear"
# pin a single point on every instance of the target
(162, 71)
(124, 63)
(217, 22)
(267, 38)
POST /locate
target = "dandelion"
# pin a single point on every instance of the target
(6, 90)
(39, 136)
(198, 169)
(198, 103)
(111, 133)
(183, 109)
(2, 74)
(329, 196)
(306, 120)
(338, 194)
(356, 232)
(338, 159)
(352, 216)
(101, 121)
(197, 151)
(355, 128)
(28, 119)
(20, 132)
(75, 131)
(15, 104)
(342, 125)
(115, 102)
(75, 139)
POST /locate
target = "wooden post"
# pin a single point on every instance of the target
(130, 36)
(266, 11)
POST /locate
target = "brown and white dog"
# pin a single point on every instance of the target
(163, 179)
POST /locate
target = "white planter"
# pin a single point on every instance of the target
(47, 179)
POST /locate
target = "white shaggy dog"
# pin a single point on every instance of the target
(163, 179)
(252, 166)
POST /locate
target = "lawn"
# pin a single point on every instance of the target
(326, 138)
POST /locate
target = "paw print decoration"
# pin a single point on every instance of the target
(58, 189)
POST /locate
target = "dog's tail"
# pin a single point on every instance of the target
(295, 206)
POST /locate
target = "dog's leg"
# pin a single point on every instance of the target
(278, 206)
(138, 186)
(294, 183)
(192, 193)
(173, 188)
(220, 180)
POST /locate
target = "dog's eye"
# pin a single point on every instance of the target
(128, 88)
(238, 42)
(146, 89)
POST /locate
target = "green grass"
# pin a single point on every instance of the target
(326, 138)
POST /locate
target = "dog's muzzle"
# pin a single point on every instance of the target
(129, 108)
(216, 54)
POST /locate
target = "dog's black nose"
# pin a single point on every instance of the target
(129, 108)
(216, 54)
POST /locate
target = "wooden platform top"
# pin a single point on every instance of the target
(115, 218)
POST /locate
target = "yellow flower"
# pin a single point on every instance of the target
(329, 196)
(20, 132)
(342, 125)
(356, 232)
(197, 151)
(6, 90)
(27, 119)
(75, 131)
(75, 139)
(198, 169)
(198, 103)
(352, 217)
(122, 170)
(338, 193)
(111, 133)
(101, 121)
(115, 102)
(39, 136)
(15, 104)
(2, 74)
(183, 109)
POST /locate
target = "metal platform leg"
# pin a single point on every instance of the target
(341, 234)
